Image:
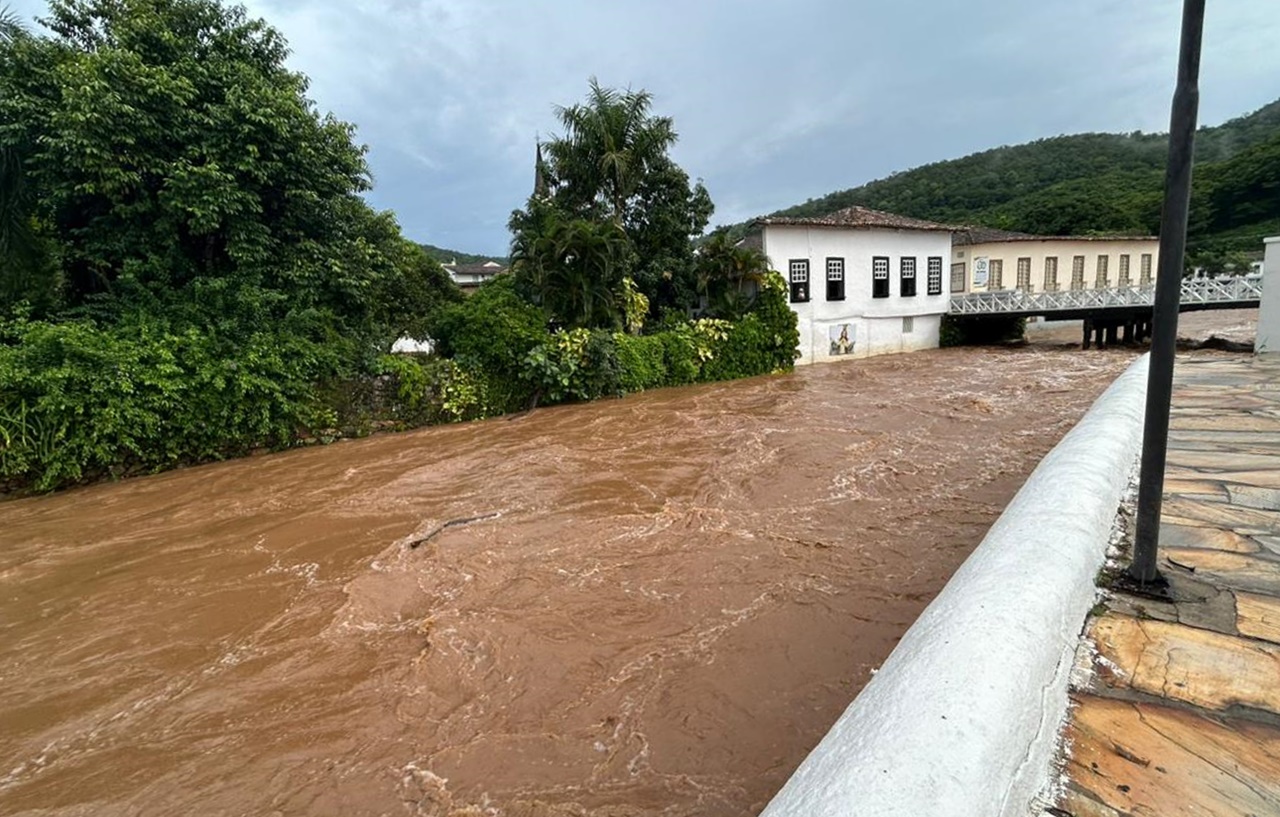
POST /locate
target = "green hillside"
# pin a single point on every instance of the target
(444, 256)
(1093, 183)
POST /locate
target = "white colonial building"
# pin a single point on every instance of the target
(863, 282)
(985, 260)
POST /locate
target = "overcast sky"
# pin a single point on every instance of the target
(775, 102)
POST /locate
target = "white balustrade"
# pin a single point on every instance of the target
(1245, 291)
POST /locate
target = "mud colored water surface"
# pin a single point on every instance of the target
(681, 592)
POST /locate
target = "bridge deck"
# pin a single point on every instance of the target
(1197, 294)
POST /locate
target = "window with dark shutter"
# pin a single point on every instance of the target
(799, 280)
(880, 277)
(835, 279)
(907, 285)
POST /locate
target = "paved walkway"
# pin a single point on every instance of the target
(1181, 715)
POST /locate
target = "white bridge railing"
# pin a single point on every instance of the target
(1194, 291)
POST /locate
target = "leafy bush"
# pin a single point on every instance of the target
(680, 358)
(577, 364)
(778, 321)
(641, 362)
(81, 402)
(493, 331)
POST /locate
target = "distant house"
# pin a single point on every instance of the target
(986, 260)
(470, 276)
(862, 282)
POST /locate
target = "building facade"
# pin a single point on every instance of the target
(470, 276)
(984, 260)
(862, 282)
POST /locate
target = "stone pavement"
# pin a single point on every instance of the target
(1181, 712)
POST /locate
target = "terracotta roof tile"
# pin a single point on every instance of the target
(965, 236)
(856, 216)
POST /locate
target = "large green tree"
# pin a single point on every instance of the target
(611, 165)
(26, 268)
(177, 164)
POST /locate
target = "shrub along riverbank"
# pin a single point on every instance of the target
(83, 402)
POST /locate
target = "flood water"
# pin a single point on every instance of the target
(679, 594)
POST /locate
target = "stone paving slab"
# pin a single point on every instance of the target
(1185, 664)
(1131, 758)
(1180, 714)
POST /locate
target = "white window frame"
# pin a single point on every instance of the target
(935, 275)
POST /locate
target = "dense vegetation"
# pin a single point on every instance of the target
(1096, 183)
(611, 206)
(188, 269)
(604, 278)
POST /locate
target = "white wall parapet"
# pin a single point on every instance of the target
(962, 720)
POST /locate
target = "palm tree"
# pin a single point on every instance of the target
(573, 267)
(728, 275)
(11, 27)
(611, 141)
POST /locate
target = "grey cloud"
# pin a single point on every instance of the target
(774, 102)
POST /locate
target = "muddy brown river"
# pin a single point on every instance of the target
(676, 595)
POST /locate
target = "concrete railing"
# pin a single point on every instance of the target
(962, 719)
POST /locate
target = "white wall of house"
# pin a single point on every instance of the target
(1065, 251)
(875, 326)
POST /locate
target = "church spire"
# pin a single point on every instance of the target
(539, 178)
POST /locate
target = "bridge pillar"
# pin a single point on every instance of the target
(1126, 336)
(1111, 334)
(1088, 330)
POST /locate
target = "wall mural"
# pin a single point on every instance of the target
(840, 341)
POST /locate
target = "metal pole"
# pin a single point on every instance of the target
(1173, 240)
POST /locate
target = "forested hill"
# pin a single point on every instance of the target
(1094, 183)
(444, 256)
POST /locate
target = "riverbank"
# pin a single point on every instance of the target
(84, 402)
(683, 590)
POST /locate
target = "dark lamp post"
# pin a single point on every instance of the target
(1164, 324)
